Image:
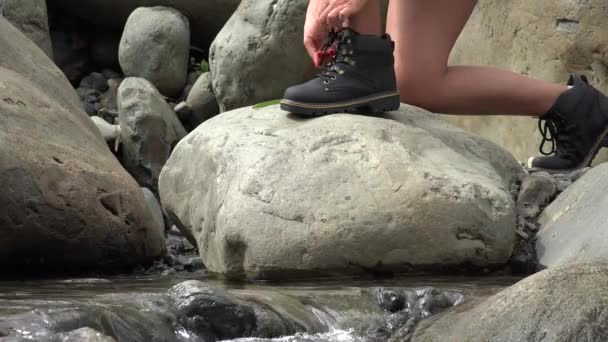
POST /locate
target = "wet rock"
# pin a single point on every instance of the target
(391, 300)
(155, 208)
(565, 303)
(212, 313)
(163, 60)
(95, 81)
(149, 130)
(201, 104)
(347, 194)
(259, 53)
(67, 203)
(537, 190)
(109, 99)
(413, 306)
(84, 335)
(574, 228)
(30, 17)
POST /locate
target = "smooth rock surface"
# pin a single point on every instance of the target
(155, 45)
(574, 228)
(267, 194)
(30, 17)
(206, 17)
(201, 102)
(544, 39)
(566, 303)
(154, 206)
(66, 201)
(149, 129)
(259, 53)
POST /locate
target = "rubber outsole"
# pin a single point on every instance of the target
(373, 104)
(600, 142)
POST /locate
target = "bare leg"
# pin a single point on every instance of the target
(425, 32)
(369, 20)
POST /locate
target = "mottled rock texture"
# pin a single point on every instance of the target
(267, 194)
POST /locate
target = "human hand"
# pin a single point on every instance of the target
(324, 15)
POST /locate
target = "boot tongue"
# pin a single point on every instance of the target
(347, 32)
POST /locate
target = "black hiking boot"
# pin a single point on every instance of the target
(360, 77)
(576, 127)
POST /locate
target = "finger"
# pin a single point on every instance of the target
(312, 47)
(345, 15)
(333, 18)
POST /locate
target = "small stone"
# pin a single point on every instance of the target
(95, 81)
(562, 185)
(89, 108)
(183, 111)
(110, 74)
(523, 234)
(390, 300)
(196, 264)
(537, 190)
(108, 99)
(532, 226)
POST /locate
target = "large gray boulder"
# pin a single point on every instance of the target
(574, 227)
(201, 102)
(66, 201)
(149, 130)
(206, 17)
(562, 304)
(265, 194)
(259, 53)
(30, 17)
(155, 45)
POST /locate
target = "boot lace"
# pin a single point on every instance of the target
(560, 133)
(339, 50)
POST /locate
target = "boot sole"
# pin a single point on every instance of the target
(600, 142)
(373, 104)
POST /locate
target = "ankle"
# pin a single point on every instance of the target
(369, 19)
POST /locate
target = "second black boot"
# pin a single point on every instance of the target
(360, 77)
(576, 126)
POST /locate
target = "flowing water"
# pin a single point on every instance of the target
(331, 310)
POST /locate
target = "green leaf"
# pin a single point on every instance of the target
(266, 104)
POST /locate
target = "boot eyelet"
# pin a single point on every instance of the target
(326, 82)
(326, 89)
(349, 41)
(341, 72)
(333, 78)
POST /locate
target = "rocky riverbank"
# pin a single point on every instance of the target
(143, 147)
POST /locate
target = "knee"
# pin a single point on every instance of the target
(420, 90)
